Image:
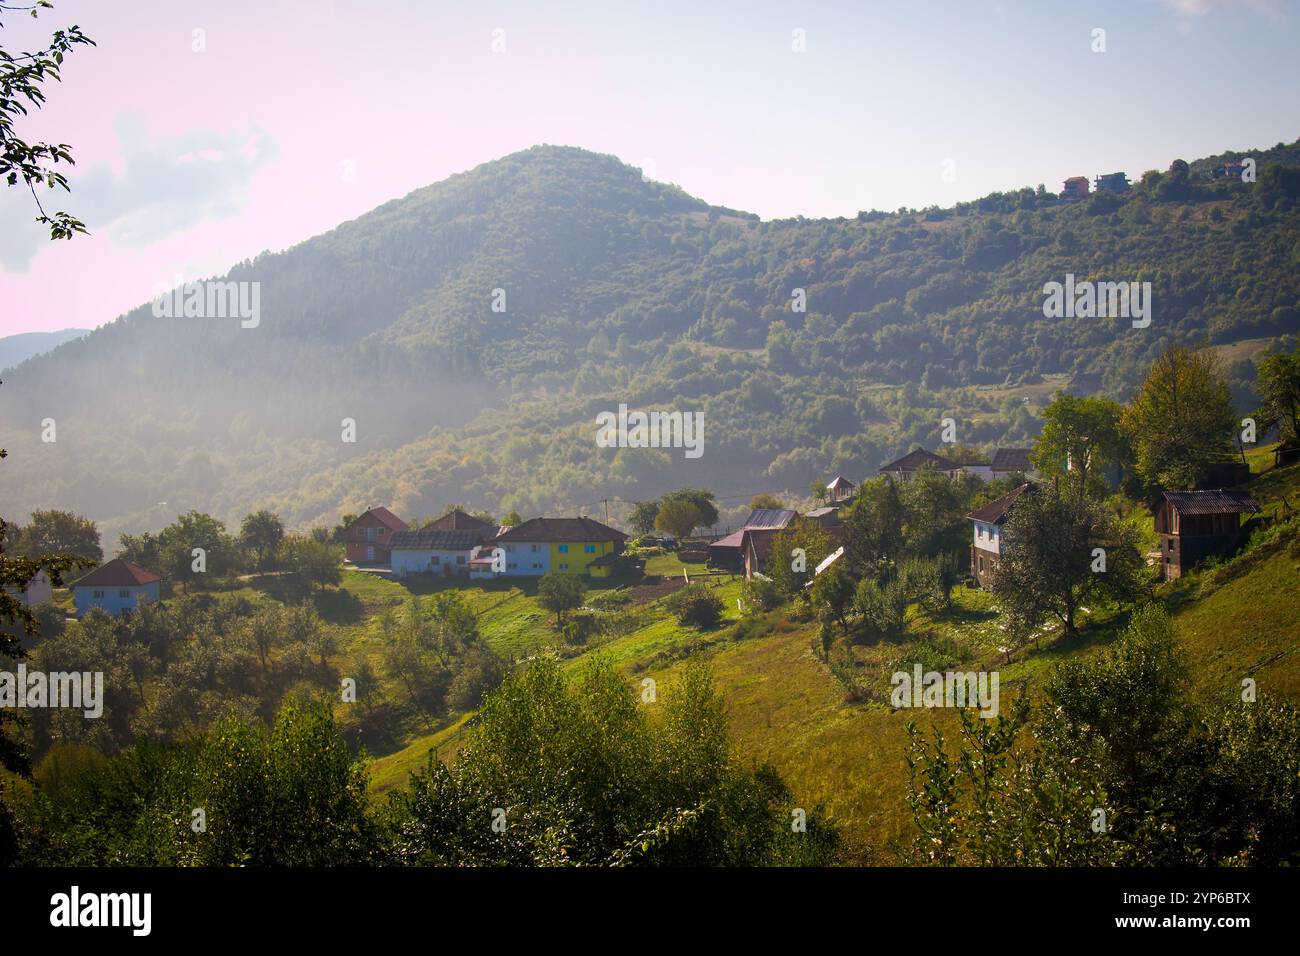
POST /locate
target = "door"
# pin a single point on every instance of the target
(370, 552)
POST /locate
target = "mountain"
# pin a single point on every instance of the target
(473, 330)
(16, 349)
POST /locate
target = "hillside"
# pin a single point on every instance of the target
(16, 349)
(621, 290)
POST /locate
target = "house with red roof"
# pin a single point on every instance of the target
(368, 538)
(987, 547)
(116, 587)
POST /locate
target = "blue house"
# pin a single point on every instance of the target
(116, 587)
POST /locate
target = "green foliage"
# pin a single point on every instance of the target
(261, 533)
(1278, 384)
(803, 534)
(54, 532)
(696, 606)
(1182, 419)
(1116, 767)
(1059, 550)
(561, 593)
(1081, 437)
(287, 795)
(580, 774)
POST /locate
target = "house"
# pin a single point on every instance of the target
(433, 551)
(368, 537)
(1112, 182)
(1233, 169)
(905, 468)
(457, 520)
(1195, 525)
(840, 488)
(726, 554)
(1011, 461)
(1076, 187)
(755, 546)
(116, 587)
(38, 591)
(828, 517)
(986, 548)
(551, 544)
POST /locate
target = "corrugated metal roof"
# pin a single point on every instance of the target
(1219, 501)
(770, 518)
(435, 539)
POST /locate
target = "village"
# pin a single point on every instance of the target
(1193, 525)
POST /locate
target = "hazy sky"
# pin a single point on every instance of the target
(297, 116)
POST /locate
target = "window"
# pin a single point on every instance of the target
(370, 534)
(564, 549)
(589, 548)
(124, 594)
(435, 560)
(535, 548)
(564, 567)
(460, 559)
(98, 594)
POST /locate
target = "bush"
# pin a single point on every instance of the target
(696, 606)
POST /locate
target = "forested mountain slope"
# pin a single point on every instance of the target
(607, 289)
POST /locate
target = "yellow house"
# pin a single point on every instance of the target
(570, 545)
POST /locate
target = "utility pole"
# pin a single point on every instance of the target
(606, 511)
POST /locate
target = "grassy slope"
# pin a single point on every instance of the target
(788, 709)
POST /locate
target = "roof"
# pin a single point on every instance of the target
(840, 483)
(996, 511)
(918, 458)
(458, 520)
(1012, 459)
(384, 517)
(823, 512)
(561, 529)
(118, 573)
(1220, 501)
(732, 540)
(436, 539)
(770, 518)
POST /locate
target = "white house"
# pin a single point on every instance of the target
(116, 587)
(38, 591)
(432, 551)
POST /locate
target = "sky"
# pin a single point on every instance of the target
(205, 133)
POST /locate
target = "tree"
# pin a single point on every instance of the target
(512, 519)
(1057, 550)
(560, 593)
(1080, 437)
(678, 517)
(832, 595)
(935, 508)
(1278, 384)
(1182, 420)
(196, 530)
(580, 773)
(21, 78)
(701, 499)
(261, 533)
(314, 563)
(60, 532)
(874, 525)
(478, 673)
(804, 535)
(643, 515)
(765, 500)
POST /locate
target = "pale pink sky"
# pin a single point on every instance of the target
(190, 161)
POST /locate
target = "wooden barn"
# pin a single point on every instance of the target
(1195, 525)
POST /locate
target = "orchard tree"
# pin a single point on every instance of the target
(1059, 550)
(560, 593)
(678, 517)
(874, 525)
(1182, 420)
(797, 549)
(261, 533)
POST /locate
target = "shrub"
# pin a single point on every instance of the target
(696, 606)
